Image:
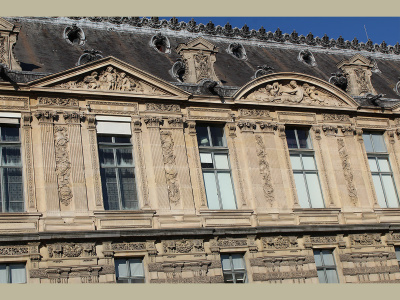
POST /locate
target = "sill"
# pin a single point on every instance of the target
(318, 210)
(386, 209)
(124, 212)
(226, 211)
(19, 214)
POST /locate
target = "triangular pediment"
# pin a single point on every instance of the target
(357, 60)
(109, 75)
(289, 89)
(5, 25)
(198, 43)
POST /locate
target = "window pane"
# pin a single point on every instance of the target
(309, 162)
(379, 192)
(367, 142)
(296, 163)
(291, 139)
(314, 190)
(3, 274)
(106, 157)
(397, 249)
(124, 157)
(331, 276)
(328, 258)
(13, 190)
(110, 189)
(240, 277)
(217, 136)
(238, 263)
(121, 269)
(372, 164)
(11, 156)
(202, 136)
(211, 190)
(317, 258)
(136, 267)
(390, 191)
(10, 134)
(206, 160)
(137, 280)
(226, 189)
(383, 165)
(321, 276)
(302, 136)
(18, 273)
(378, 142)
(221, 161)
(122, 140)
(104, 139)
(301, 190)
(128, 188)
(228, 278)
(226, 264)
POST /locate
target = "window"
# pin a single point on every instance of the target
(304, 168)
(129, 270)
(233, 267)
(11, 188)
(12, 273)
(326, 267)
(117, 171)
(381, 172)
(214, 157)
(397, 250)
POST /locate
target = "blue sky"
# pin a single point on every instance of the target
(378, 28)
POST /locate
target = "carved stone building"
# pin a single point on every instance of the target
(158, 151)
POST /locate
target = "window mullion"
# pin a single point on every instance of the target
(117, 178)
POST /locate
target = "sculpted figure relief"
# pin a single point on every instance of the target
(292, 93)
(110, 80)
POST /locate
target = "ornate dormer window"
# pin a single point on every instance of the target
(74, 35)
(237, 50)
(307, 57)
(89, 56)
(161, 43)
(178, 70)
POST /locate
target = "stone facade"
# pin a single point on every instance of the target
(69, 235)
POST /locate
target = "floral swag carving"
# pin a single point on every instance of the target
(264, 170)
(293, 93)
(167, 145)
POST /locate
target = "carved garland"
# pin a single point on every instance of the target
(167, 145)
(348, 174)
(264, 170)
(58, 101)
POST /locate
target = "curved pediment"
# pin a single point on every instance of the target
(293, 89)
(109, 75)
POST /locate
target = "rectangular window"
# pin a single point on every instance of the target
(214, 158)
(397, 250)
(381, 171)
(233, 267)
(304, 167)
(326, 267)
(129, 270)
(117, 171)
(12, 273)
(11, 187)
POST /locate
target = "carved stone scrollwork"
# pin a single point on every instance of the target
(281, 130)
(152, 122)
(268, 126)
(26, 119)
(265, 170)
(390, 134)
(336, 118)
(171, 174)
(348, 174)
(366, 239)
(138, 246)
(63, 164)
(163, 107)
(192, 127)
(392, 238)
(63, 250)
(256, 113)
(228, 243)
(46, 116)
(58, 101)
(280, 242)
(175, 122)
(73, 117)
(246, 125)
(359, 134)
(137, 126)
(317, 130)
(232, 129)
(330, 130)
(348, 130)
(183, 246)
(14, 250)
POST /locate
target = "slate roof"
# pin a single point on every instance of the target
(41, 49)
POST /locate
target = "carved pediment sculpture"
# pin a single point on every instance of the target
(110, 79)
(198, 56)
(358, 71)
(8, 37)
(292, 92)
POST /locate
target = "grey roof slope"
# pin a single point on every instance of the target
(41, 48)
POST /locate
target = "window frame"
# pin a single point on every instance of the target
(233, 271)
(326, 267)
(301, 152)
(376, 155)
(216, 150)
(8, 272)
(114, 146)
(4, 201)
(130, 278)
